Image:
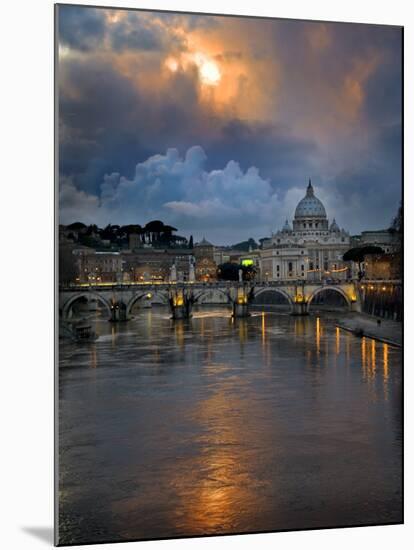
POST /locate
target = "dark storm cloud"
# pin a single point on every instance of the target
(361, 65)
(86, 29)
(383, 88)
(189, 22)
(337, 104)
(81, 28)
(109, 125)
(282, 158)
(97, 135)
(140, 38)
(138, 32)
(114, 139)
(326, 61)
(369, 192)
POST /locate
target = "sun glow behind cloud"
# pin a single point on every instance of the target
(208, 70)
(172, 64)
(291, 98)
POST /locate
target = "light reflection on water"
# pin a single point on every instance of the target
(215, 425)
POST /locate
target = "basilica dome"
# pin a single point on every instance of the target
(310, 206)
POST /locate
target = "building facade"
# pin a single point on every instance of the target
(98, 267)
(205, 264)
(157, 265)
(310, 249)
(384, 238)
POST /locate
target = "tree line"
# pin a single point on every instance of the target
(155, 232)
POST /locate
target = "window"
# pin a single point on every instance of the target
(302, 267)
(311, 266)
(290, 267)
(278, 268)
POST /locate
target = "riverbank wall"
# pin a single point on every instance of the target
(382, 299)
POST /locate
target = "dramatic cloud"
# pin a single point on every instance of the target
(81, 29)
(292, 99)
(179, 190)
(137, 32)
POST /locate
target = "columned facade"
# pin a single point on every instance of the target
(311, 249)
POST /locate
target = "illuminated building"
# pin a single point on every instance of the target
(310, 249)
(155, 264)
(205, 265)
(383, 266)
(99, 267)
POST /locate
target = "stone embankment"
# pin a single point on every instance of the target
(383, 330)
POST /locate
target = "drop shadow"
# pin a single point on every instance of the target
(42, 533)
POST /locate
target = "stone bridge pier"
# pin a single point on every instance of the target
(181, 302)
(299, 308)
(118, 312)
(240, 298)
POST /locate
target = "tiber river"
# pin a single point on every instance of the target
(213, 426)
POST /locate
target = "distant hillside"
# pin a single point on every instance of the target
(245, 245)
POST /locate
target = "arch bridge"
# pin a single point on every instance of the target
(119, 299)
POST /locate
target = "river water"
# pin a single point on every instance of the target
(214, 425)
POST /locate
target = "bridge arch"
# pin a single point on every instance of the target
(140, 295)
(275, 290)
(206, 291)
(70, 301)
(324, 288)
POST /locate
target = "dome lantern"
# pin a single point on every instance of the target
(310, 206)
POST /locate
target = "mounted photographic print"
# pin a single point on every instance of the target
(229, 303)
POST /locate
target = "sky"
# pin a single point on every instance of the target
(215, 124)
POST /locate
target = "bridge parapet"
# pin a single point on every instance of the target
(119, 299)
